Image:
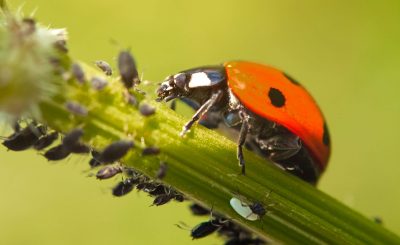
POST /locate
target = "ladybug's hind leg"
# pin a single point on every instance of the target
(242, 138)
(281, 146)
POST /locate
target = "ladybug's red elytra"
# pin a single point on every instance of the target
(274, 115)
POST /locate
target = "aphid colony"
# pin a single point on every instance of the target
(226, 228)
(41, 138)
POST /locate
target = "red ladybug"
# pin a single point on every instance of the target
(274, 115)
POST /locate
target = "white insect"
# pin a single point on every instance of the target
(243, 209)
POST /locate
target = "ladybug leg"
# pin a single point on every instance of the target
(281, 146)
(242, 138)
(201, 111)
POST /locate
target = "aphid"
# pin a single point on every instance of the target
(78, 73)
(76, 108)
(109, 172)
(115, 151)
(93, 162)
(98, 83)
(147, 186)
(162, 199)
(151, 150)
(79, 148)
(179, 197)
(168, 196)
(24, 138)
(252, 212)
(57, 153)
(45, 141)
(281, 119)
(158, 190)
(245, 241)
(130, 98)
(104, 66)
(162, 170)
(127, 69)
(198, 209)
(206, 228)
(124, 187)
(61, 45)
(378, 220)
(146, 109)
(72, 137)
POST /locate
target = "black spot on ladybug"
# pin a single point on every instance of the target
(325, 136)
(276, 97)
(294, 81)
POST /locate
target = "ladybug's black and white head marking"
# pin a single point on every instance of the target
(184, 83)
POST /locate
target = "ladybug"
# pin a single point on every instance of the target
(270, 111)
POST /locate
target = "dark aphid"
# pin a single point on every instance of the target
(76, 108)
(127, 69)
(159, 190)
(104, 66)
(147, 186)
(61, 45)
(57, 153)
(130, 98)
(245, 241)
(258, 209)
(94, 163)
(72, 137)
(378, 220)
(115, 151)
(162, 170)
(198, 209)
(147, 110)
(45, 141)
(162, 199)
(79, 148)
(206, 228)
(132, 173)
(78, 73)
(179, 197)
(152, 150)
(124, 187)
(98, 83)
(109, 172)
(25, 138)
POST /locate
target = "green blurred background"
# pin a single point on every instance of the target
(345, 52)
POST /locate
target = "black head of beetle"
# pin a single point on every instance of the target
(196, 83)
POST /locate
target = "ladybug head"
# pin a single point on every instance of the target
(191, 83)
(174, 86)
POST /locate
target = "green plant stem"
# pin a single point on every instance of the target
(202, 165)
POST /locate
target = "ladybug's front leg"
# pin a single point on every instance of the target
(242, 138)
(201, 111)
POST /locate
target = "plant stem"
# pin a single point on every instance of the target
(202, 165)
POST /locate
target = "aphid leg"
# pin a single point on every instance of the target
(201, 111)
(242, 138)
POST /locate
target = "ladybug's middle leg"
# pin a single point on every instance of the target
(242, 138)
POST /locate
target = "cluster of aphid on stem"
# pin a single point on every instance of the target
(29, 133)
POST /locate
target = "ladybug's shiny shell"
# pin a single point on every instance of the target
(274, 95)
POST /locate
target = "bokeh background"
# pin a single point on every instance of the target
(347, 53)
